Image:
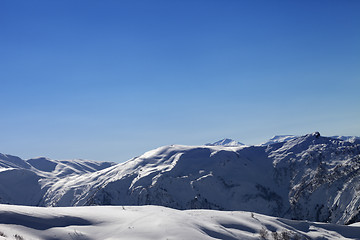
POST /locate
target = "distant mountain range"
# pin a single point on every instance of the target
(25, 182)
(226, 142)
(297, 177)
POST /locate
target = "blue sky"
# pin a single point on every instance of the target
(109, 80)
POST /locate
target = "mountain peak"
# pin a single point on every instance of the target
(315, 134)
(351, 139)
(227, 142)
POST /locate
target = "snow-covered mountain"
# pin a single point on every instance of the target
(25, 182)
(226, 142)
(285, 138)
(347, 138)
(58, 168)
(279, 139)
(308, 177)
(155, 222)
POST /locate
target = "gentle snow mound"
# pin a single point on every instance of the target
(154, 222)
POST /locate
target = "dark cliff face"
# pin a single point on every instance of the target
(322, 179)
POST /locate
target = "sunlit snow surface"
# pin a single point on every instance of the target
(308, 177)
(226, 142)
(155, 222)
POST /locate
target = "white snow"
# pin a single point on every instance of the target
(302, 178)
(226, 142)
(347, 138)
(279, 139)
(308, 177)
(155, 222)
(25, 182)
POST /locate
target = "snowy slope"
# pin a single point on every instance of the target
(285, 138)
(155, 222)
(9, 161)
(348, 138)
(63, 168)
(44, 165)
(309, 177)
(226, 142)
(280, 139)
(25, 182)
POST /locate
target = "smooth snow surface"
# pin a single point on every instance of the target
(154, 222)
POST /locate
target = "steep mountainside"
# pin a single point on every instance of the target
(308, 177)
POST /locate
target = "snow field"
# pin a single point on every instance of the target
(155, 222)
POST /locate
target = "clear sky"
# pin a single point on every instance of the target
(109, 80)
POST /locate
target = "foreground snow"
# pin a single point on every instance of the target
(155, 222)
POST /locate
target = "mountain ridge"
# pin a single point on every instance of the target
(226, 142)
(306, 177)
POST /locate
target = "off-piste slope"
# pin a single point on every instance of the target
(308, 177)
(155, 222)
